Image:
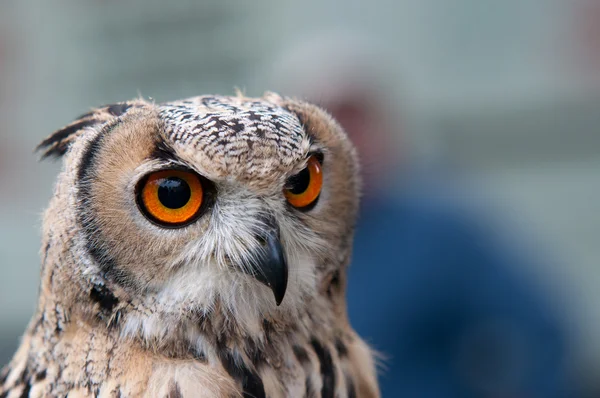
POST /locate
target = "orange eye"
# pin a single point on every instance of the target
(303, 189)
(170, 198)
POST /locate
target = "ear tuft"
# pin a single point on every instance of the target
(57, 143)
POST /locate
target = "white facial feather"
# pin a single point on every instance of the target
(200, 279)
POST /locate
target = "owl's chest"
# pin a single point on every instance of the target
(153, 376)
(82, 361)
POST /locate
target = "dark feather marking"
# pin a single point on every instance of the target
(174, 390)
(334, 283)
(327, 370)
(269, 331)
(89, 155)
(350, 387)
(4, 394)
(40, 375)
(4, 375)
(341, 348)
(26, 389)
(114, 321)
(267, 327)
(301, 354)
(59, 138)
(198, 355)
(306, 126)
(88, 114)
(24, 376)
(103, 296)
(113, 109)
(163, 151)
(118, 109)
(95, 245)
(252, 384)
(45, 253)
(256, 355)
(58, 329)
(310, 389)
(302, 357)
(237, 126)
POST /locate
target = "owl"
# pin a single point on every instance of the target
(197, 248)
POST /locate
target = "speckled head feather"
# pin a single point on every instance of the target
(246, 299)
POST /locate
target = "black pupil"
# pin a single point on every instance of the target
(174, 193)
(299, 183)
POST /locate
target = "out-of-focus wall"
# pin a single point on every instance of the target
(509, 90)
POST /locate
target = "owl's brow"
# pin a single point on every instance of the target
(165, 154)
(163, 151)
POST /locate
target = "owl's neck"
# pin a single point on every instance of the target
(177, 333)
(219, 329)
(66, 334)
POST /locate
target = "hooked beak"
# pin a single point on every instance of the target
(268, 263)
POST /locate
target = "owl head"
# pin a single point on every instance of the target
(169, 213)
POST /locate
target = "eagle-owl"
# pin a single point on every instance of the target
(197, 248)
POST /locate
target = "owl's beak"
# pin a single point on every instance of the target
(269, 264)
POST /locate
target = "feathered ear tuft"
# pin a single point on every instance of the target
(57, 143)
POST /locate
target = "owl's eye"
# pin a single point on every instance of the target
(170, 198)
(302, 190)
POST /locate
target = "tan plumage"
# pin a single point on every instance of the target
(130, 308)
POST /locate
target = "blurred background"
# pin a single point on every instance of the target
(477, 259)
